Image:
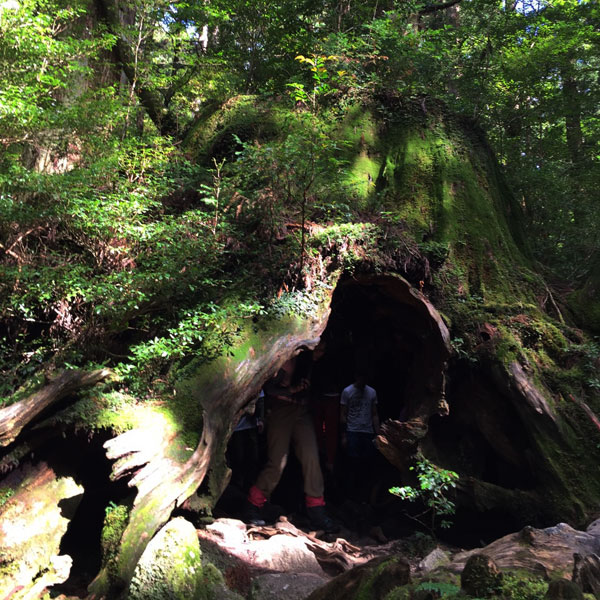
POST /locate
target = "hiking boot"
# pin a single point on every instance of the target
(319, 519)
(252, 515)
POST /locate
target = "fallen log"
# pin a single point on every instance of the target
(546, 552)
(15, 417)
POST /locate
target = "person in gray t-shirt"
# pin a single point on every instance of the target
(359, 409)
(360, 424)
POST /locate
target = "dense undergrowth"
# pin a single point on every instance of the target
(152, 254)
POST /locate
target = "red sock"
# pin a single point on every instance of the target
(256, 497)
(312, 501)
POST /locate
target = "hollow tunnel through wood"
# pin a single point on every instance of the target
(429, 401)
(383, 327)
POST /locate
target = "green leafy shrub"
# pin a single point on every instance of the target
(5, 495)
(517, 586)
(440, 587)
(434, 485)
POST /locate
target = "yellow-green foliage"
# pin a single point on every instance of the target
(5, 495)
(350, 244)
(523, 586)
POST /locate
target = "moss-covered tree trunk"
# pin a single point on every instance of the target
(496, 388)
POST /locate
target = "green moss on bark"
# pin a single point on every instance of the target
(171, 568)
(115, 522)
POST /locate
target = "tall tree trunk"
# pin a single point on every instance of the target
(572, 116)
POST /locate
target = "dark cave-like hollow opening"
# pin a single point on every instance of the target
(82, 457)
(381, 326)
(483, 435)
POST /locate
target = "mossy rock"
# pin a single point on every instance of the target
(563, 589)
(171, 568)
(243, 116)
(372, 581)
(481, 577)
(33, 521)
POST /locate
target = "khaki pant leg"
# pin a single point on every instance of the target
(307, 451)
(280, 424)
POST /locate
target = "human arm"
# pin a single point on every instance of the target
(280, 387)
(343, 417)
(375, 416)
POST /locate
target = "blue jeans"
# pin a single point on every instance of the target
(359, 444)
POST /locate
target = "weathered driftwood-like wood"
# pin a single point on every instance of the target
(338, 556)
(529, 392)
(136, 448)
(586, 573)
(162, 485)
(544, 551)
(15, 417)
(398, 440)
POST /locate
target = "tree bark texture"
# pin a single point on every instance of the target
(15, 417)
(219, 392)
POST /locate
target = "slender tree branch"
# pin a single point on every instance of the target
(435, 7)
(154, 102)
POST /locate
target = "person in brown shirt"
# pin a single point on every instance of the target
(289, 421)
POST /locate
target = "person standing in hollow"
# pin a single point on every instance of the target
(360, 424)
(289, 420)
